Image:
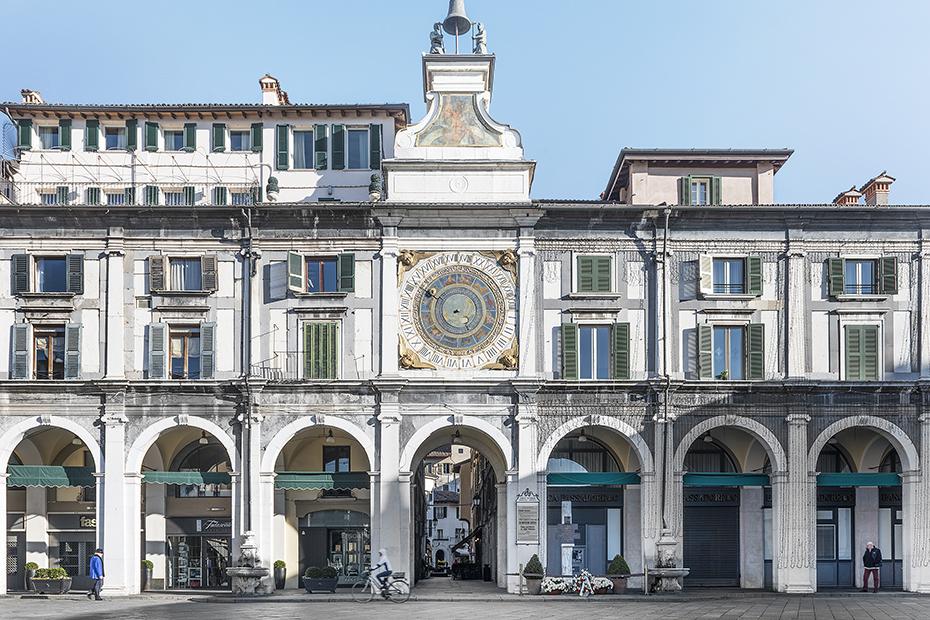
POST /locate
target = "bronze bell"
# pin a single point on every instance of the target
(456, 21)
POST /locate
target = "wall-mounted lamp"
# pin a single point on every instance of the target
(203, 438)
(582, 438)
(329, 437)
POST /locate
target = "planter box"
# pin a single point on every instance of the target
(619, 583)
(327, 584)
(533, 584)
(51, 586)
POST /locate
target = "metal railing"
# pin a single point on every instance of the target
(122, 194)
(290, 367)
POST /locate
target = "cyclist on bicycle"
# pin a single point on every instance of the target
(385, 565)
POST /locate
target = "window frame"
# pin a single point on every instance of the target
(188, 331)
(875, 286)
(844, 354)
(366, 151)
(699, 180)
(592, 325)
(337, 470)
(173, 131)
(304, 353)
(55, 131)
(320, 258)
(248, 140)
(121, 134)
(195, 258)
(311, 164)
(34, 259)
(44, 329)
(744, 283)
(744, 356)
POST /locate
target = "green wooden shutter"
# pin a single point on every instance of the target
(190, 137)
(24, 135)
(620, 333)
(20, 368)
(755, 351)
(374, 145)
(569, 351)
(308, 350)
(585, 274)
(130, 194)
(684, 190)
(20, 273)
(132, 138)
(320, 350)
(190, 195)
(92, 196)
(220, 196)
(716, 191)
(256, 137)
(836, 275)
(888, 267)
(282, 156)
(64, 134)
(208, 272)
(72, 351)
(92, 134)
(853, 352)
(151, 195)
(151, 136)
(207, 350)
(157, 273)
(347, 272)
(75, 265)
(870, 370)
(218, 138)
(158, 345)
(295, 272)
(602, 278)
(320, 147)
(754, 275)
(339, 147)
(62, 194)
(705, 360)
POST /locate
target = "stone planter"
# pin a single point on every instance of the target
(602, 591)
(533, 583)
(619, 582)
(52, 586)
(280, 577)
(322, 584)
(30, 573)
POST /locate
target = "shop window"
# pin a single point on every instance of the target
(336, 458)
(203, 455)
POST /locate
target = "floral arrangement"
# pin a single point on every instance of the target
(552, 585)
(573, 585)
(601, 583)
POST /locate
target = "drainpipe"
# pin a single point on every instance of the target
(664, 439)
(249, 271)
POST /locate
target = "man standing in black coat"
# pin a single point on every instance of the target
(872, 561)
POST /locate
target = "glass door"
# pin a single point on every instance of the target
(891, 543)
(349, 553)
(834, 548)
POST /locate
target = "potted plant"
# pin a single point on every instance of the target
(553, 586)
(533, 573)
(318, 579)
(51, 581)
(602, 585)
(31, 568)
(618, 572)
(147, 566)
(280, 574)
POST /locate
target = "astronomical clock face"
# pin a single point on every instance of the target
(457, 310)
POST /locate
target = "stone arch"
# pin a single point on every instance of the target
(11, 438)
(150, 435)
(280, 439)
(643, 453)
(28, 453)
(762, 434)
(495, 446)
(891, 431)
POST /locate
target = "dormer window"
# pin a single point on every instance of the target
(697, 190)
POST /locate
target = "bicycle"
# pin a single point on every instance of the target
(397, 589)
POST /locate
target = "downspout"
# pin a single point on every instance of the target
(248, 267)
(668, 379)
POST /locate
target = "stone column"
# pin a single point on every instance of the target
(632, 533)
(752, 538)
(36, 525)
(132, 497)
(118, 538)
(526, 476)
(506, 530)
(408, 546)
(3, 547)
(155, 530)
(269, 527)
(374, 518)
(865, 519)
(924, 308)
(393, 510)
(915, 499)
(389, 301)
(798, 290)
(796, 504)
(115, 361)
(527, 313)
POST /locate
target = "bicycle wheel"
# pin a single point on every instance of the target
(362, 592)
(399, 591)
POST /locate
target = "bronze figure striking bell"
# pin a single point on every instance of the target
(456, 21)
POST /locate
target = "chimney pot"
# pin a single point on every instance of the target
(31, 96)
(847, 198)
(271, 91)
(877, 189)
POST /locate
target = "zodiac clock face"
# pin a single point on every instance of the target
(457, 310)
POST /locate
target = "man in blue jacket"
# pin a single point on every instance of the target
(96, 573)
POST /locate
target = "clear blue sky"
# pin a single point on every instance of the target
(845, 83)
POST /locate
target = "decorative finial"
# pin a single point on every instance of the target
(480, 39)
(375, 188)
(435, 40)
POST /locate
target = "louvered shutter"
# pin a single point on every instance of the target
(295, 272)
(755, 351)
(282, 156)
(705, 338)
(72, 351)
(716, 191)
(888, 266)
(208, 271)
(836, 276)
(151, 136)
(132, 139)
(24, 134)
(308, 350)
(207, 350)
(92, 196)
(320, 147)
(218, 138)
(64, 134)
(569, 351)
(158, 350)
(620, 333)
(220, 196)
(190, 195)
(602, 276)
(130, 194)
(684, 190)
(374, 145)
(754, 275)
(92, 134)
(20, 270)
(329, 334)
(585, 274)
(256, 137)
(20, 369)
(339, 147)
(157, 273)
(853, 352)
(62, 194)
(151, 195)
(190, 137)
(706, 274)
(347, 272)
(320, 349)
(75, 263)
(869, 367)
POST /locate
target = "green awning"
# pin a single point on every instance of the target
(309, 480)
(186, 477)
(725, 480)
(593, 478)
(868, 479)
(49, 476)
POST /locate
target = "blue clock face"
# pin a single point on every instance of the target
(459, 310)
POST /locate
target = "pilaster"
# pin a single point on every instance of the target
(924, 308)
(115, 362)
(796, 496)
(915, 498)
(114, 519)
(4, 549)
(389, 301)
(393, 515)
(527, 313)
(797, 293)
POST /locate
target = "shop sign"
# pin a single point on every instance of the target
(72, 522)
(219, 526)
(889, 498)
(839, 497)
(721, 497)
(187, 526)
(609, 497)
(527, 518)
(87, 523)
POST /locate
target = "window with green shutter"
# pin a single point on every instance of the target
(218, 138)
(374, 144)
(705, 351)
(220, 196)
(256, 137)
(190, 137)
(24, 134)
(569, 351)
(281, 139)
(347, 273)
(755, 351)
(594, 274)
(92, 196)
(320, 146)
(321, 349)
(339, 147)
(150, 196)
(620, 345)
(92, 134)
(132, 137)
(862, 353)
(64, 134)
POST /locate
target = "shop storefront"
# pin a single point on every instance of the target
(590, 519)
(337, 538)
(198, 553)
(15, 552)
(891, 537)
(710, 547)
(72, 539)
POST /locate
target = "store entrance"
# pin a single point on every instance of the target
(198, 562)
(336, 538)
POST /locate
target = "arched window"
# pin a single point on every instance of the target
(202, 457)
(581, 453)
(891, 462)
(833, 459)
(706, 455)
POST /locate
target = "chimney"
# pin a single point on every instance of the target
(31, 96)
(847, 198)
(877, 188)
(271, 91)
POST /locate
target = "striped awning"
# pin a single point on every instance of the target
(186, 477)
(310, 480)
(49, 476)
(592, 478)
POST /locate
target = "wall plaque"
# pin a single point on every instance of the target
(527, 518)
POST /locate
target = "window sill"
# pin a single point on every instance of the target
(729, 296)
(593, 295)
(855, 297)
(47, 295)
(326, 295)
(183, 293)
